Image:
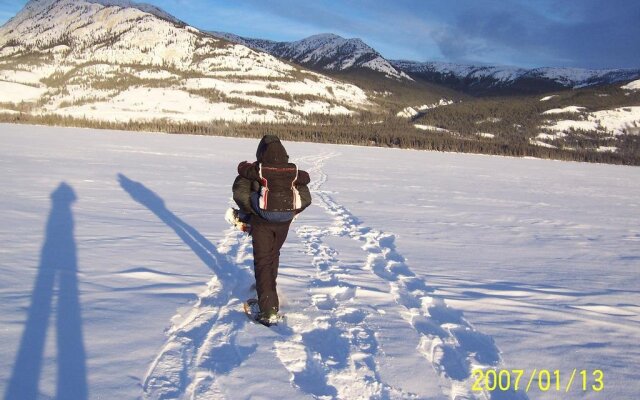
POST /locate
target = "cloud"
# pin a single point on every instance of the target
(590, 33)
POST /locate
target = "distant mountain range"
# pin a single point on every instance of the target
(330, 53)
(333, 53)
(482, 79)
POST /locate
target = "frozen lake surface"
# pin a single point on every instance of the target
(121, 279)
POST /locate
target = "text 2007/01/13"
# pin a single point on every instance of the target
(547, 380)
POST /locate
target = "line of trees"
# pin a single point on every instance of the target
(394, 133)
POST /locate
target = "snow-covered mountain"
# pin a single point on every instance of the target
(486, 78)
(117, 60)
(327, 52)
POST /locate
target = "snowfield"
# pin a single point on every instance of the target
(410, 112)
(140, 104)
(122, 280)
(17, 92)
(634, 85)
(617, 121)
(430, 128)
(569, 109)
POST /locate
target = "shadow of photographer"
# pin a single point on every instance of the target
(58, 266)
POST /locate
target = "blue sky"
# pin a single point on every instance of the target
(527, 33)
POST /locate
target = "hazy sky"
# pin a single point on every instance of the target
(528, 33)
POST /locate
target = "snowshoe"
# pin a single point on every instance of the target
(252, 310)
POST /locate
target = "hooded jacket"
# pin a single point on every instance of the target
(271, 151)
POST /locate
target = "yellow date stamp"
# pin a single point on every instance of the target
(544, 380)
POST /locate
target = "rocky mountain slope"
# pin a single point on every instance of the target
(123, 61)
(325, 52)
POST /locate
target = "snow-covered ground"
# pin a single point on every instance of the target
(616, 121)
(410, 112)
(548, 136)
(121, 279)
(634, 85)
(569, 109)
(430, 128)
(541, 143)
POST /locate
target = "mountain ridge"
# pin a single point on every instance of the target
(330, 52)
(145, 7)
(326, 51)
(484, 77)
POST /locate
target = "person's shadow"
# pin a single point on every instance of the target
(200, 245)
(234, 280)
(58, 264)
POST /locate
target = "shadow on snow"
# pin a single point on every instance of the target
(58, 265)
(202, 247)
(215, 334)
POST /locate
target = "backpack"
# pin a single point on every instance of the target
(278, 188)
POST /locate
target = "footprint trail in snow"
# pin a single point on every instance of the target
(365, 319)
(450, 343)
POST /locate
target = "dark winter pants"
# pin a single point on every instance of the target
(268, 238)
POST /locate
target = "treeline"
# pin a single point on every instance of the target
(394, 133)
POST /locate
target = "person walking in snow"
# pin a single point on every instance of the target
(270, 193)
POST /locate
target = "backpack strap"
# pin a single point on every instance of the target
(296, 178)
(297, 200)
(264, 189)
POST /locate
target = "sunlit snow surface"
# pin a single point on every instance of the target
(409, 269)
(569, 109)
(635, 85)
(616, 121)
